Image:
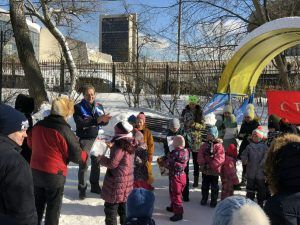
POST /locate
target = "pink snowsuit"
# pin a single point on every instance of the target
(228, 172)
(176, 163)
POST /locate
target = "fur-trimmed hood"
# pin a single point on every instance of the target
(282, 165)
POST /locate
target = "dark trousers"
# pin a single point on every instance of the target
(210, 181)
(195, 163)
(111, 211)
(86, 144)
(52, 198)
(258, 187)
(186, 190)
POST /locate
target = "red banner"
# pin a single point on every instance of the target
(285, 104)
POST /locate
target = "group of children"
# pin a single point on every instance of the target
(213, 157)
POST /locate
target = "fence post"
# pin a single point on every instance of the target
(167, 79)
(113, 78)
(13, 73)
(62, 76)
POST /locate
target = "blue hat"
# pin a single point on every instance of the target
(132, 119)
(238, 210)
(11, 120)
(213, 130)
(140, 203)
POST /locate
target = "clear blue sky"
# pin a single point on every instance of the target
(89, 32)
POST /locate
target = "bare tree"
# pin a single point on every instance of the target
(25, 49)
(54, 14)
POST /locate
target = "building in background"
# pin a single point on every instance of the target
(118, 36)
(50, 50)
(10, 48)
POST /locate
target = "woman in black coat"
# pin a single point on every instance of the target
(282, 171)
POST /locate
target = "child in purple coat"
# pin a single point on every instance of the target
(176, 163)
(118, 180)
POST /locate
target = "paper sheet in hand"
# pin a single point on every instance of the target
(170, 143)
(99, 147)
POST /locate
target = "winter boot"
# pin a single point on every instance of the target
(169, 209)
(196, 181)
(204, 200)
(95, 189)
(176, 217)
(213, 203)
(82, 194)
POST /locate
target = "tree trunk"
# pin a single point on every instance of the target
(25, 49)
(283, 75)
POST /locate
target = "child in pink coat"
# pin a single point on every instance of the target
(228, 172)
(176, 163)
(211, 156)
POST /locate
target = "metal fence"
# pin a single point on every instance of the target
(195, 78)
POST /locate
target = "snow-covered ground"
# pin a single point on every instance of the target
(91, 210)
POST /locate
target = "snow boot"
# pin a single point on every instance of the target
(82, 194)
(196, 181)
(176, 217)
(96, 189)
(169, 209)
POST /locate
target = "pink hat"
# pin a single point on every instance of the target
(178, 142)
(141, 116)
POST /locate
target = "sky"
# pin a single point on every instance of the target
(88, 31)
(155, 19)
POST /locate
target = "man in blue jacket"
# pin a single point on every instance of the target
(89, 117)
(16, 185)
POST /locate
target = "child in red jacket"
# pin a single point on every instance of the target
(176, 163)
(228, 172)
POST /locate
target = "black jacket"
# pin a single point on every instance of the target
(245, 133)
(284, 209)
(16, 185)
(86, 128)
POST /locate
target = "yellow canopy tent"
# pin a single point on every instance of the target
(256, 51)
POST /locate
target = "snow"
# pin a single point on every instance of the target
(91, 210)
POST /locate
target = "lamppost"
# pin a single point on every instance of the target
(5, 36)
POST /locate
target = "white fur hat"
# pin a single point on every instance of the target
(210, 119)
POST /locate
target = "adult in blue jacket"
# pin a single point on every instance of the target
(16, 185)
(89, 117)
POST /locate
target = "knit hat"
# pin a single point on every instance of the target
(123, 128)
(238, 210)
(273, 122)
(178, 141)
(62, 106)
(141, 116)
(213, 130)
(228, 108)
(132, 119)
(174, 123)
(249, 111)
(259, 132)
(11, 120)
(140, 203)
(232, 151)
(193, 99)
(210, 119)
(24, 104)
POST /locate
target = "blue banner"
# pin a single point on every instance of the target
(216, 102)
(239, 113)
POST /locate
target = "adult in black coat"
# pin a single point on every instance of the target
(282, 171)
(25, 104)
(16, 185)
